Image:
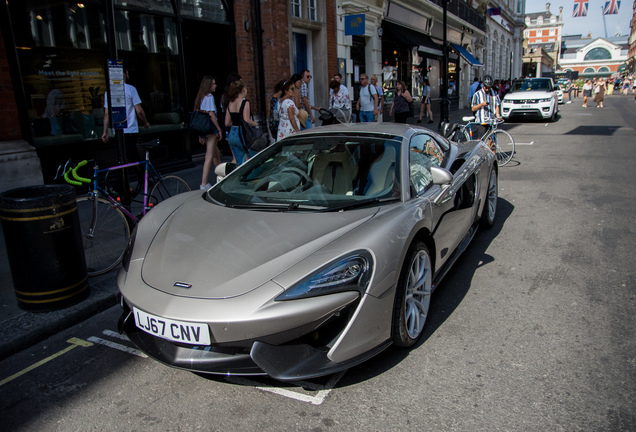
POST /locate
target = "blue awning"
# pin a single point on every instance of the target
(467, 56)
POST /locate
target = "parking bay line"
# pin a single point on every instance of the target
(116, 346)
(75, 342)
(530, 143)
(323, 391)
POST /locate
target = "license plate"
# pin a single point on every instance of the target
(526, 106)
(176, 331)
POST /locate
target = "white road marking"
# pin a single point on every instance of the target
(116, 335)
(319, 398)
(530, 143)
(117, 346)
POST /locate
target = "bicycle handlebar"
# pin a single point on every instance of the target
(78, 180)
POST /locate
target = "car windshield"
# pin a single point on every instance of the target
(316, 173)
(531, 85)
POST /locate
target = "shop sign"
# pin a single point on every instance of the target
(354, 25)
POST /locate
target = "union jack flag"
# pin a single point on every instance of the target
(611, 7)
(580, 8)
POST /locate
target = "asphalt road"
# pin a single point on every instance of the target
(534, 330)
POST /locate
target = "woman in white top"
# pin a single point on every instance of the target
(587, 91)
(205, 102)
(288, 112)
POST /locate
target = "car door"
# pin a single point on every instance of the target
(453, 214)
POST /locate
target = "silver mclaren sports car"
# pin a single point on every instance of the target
(313, 256)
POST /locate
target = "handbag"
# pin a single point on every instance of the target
(254, 137)
(201, 123)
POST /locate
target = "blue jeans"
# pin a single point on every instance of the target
(235, 140)
(367, 117)
(308, 124)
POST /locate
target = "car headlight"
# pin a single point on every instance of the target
(125, 261)
(544, 100)
(347, 274)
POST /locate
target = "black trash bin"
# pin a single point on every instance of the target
(44, 246)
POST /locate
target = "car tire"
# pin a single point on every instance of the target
(488, 213)
(413, 296)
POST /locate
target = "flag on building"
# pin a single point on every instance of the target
(611, 7)
(580, 8)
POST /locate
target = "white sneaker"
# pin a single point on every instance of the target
(206, 187)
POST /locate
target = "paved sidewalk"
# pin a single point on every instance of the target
(21, 329)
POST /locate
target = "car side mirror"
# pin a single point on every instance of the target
(441, 176)
(222, 170)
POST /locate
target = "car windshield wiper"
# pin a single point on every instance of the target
(276, 206)
(363, 203)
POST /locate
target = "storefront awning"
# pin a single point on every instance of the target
(467, 56)
(423, 42)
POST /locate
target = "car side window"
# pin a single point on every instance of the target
(424, 153)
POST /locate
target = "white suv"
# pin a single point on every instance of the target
(531, 97)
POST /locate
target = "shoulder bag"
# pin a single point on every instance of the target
(254, 137)
(201, 123)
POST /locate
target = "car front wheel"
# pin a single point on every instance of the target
(413, 296)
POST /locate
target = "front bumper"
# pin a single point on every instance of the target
(299, 353)
(542, 111)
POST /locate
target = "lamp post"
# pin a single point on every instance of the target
(445, 103)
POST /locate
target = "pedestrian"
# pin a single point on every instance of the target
(568, 88)
(426, 102)
(274, 105)
(367, 101)
(626, 87)
(401, 101)
(486, 104)
(304, 100)
(472, 90)
(378, 88)
(296, 80)
(288, 112)
(338, 77)
(205, 102)
(231, 77)
(339, 98)
(599, 93)
(587, 91)
(238, 112)
(134, 115)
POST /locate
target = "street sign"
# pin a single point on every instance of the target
(117, 93)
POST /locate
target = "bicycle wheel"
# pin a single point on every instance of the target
(504, 146)
(168, 186)
(106, 240)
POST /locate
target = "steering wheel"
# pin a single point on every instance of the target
(282, 184)
(302, 173)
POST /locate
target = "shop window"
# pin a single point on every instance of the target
(589, 70)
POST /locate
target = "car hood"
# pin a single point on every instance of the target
(203, 250)
(524, 95)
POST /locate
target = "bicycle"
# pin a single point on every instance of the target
(104, 220)
(494, 138)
